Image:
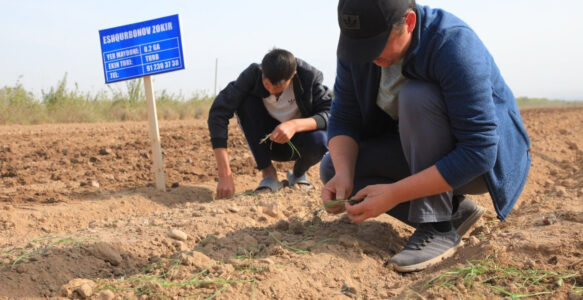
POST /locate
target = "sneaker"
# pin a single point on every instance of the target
(467, 214)
(426, 247)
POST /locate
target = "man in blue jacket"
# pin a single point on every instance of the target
(284, 98)
(421, 117)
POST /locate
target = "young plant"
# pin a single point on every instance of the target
(508, 281)
(291, 145)
(337, 202)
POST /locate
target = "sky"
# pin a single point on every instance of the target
(537, 46)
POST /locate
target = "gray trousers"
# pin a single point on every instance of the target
(424, 138)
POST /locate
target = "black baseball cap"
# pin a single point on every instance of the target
(365, 26)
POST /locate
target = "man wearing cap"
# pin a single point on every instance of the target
(421, 117)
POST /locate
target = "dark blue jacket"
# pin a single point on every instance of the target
(485, 121)
(313, 98)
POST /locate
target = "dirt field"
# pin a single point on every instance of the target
(77, 202)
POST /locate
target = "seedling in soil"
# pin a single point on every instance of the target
(35, 252)
(481, 274)
(291, 145)
(248, 193)
(251, 268)
(142, 283)
(298, 250)
(249, 252)
(285, 245)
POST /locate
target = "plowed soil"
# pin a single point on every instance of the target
(77, 202)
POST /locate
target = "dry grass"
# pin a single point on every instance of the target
(61, 104)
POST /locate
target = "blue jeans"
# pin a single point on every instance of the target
(256, 122)
(424, 137)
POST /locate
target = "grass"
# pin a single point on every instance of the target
(125, 101)
(479, 275)
(525, 102)
(120, 102)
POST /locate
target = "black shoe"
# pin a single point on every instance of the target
(426, 247)
(467, 214)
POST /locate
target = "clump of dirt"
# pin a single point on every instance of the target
(79, 217)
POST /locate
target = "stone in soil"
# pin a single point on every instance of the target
(105, 151)
(78, 285)
(106, 295)
(197, 260)
(84, 291)
(271, 210)
(106, 252)
(178, 235)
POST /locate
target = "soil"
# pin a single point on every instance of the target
(81, 218)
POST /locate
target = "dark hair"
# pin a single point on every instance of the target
(278, 65)
(412, 7)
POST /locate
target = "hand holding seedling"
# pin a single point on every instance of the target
(336, 190)
(376, 200)
(283, 132)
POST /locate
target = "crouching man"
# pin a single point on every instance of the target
(421, 117)
(282, 98)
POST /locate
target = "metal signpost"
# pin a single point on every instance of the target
(141, 50)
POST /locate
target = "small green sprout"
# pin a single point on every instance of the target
(291, 145)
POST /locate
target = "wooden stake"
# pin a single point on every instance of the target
(154, 135)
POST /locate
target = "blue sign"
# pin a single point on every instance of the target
(141, 49)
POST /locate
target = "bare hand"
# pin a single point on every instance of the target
(378, 199)
(225, 187)
(283, 132)
(338, 188)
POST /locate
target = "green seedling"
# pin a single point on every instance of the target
(337, 202)
(35, 252)
(487, 274)
(248, 252)
(141, 284)
(298, 250)
(291, 145)
(285, 245)
(251, 268)
(248, 193)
